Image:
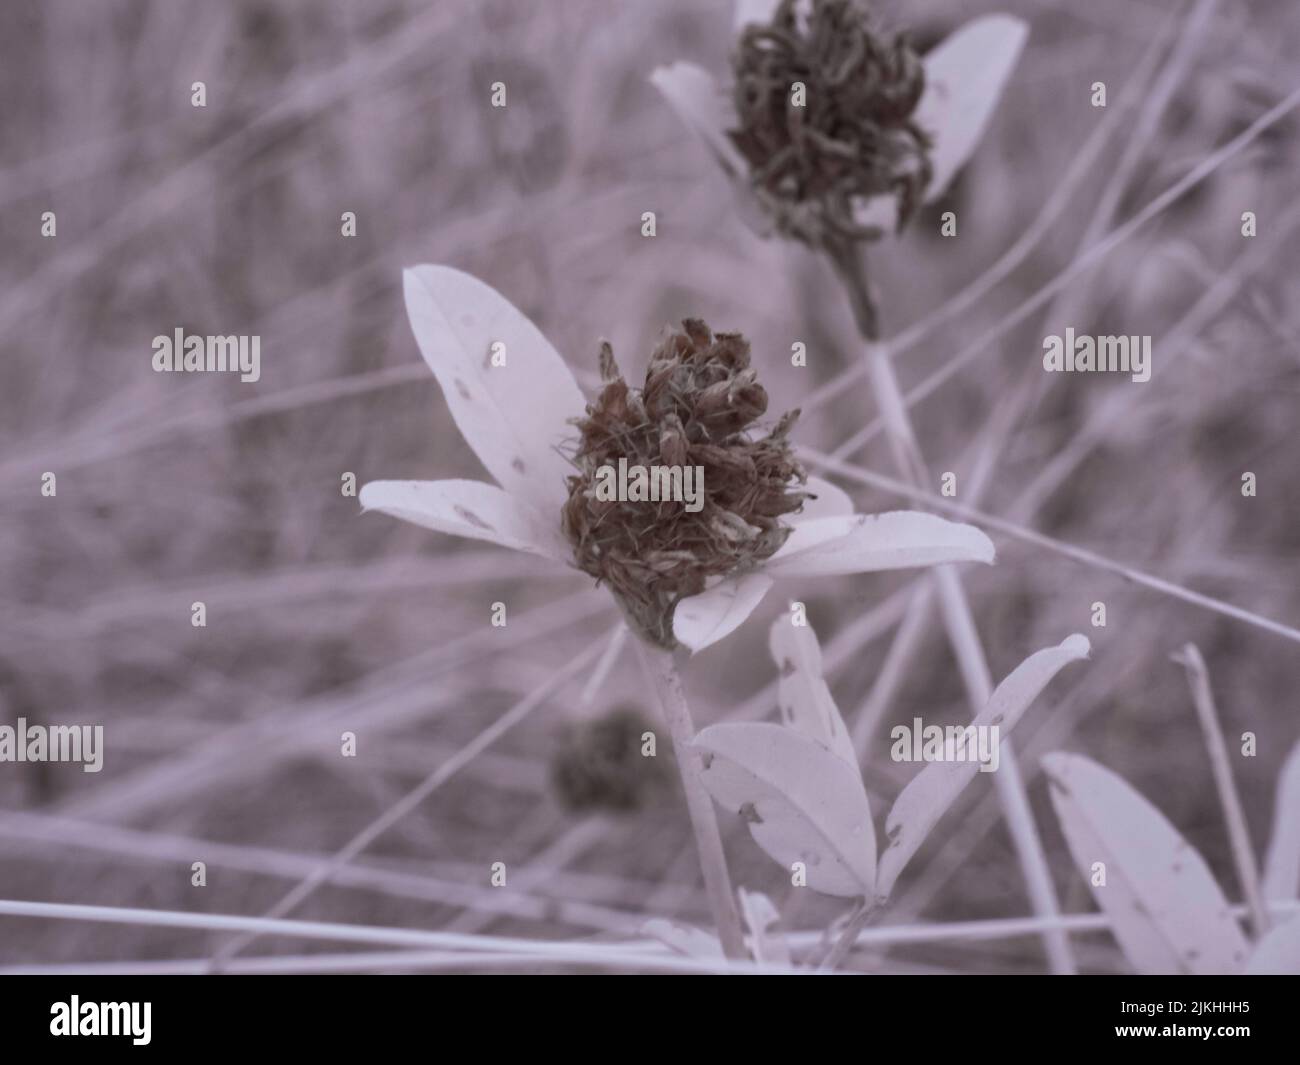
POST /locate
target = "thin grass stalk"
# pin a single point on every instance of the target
(1081, 264)
(1198, 678)
(411, 800)
(663, 674)
(1082, 555)
(865, 911)
(848, 263)
(908, 641)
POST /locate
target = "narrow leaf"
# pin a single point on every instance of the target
(1165, 908)
(964, 79)
(683, 938)
(472, 509)
(805, 700)
(761, 918)
(1278, 953)
(928, 795)
(864, 543)
(513, 414)
(802, 803)
(1282, 863)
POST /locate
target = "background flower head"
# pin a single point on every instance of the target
(851, 134)
(879, 132)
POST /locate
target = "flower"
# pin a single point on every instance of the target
(851, 139)
(699, 399)
(521, 413)
(880, 129)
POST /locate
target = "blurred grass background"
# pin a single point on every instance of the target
(223, 742)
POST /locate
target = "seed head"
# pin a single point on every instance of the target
(699, 400)
(599, 764)
(854, 137)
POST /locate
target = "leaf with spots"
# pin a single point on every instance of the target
(515, 415)
(801, 802)
(1165, 908)
(929, 794)
(805, 700)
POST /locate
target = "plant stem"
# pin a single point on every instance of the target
(1198, 678)
(667, 682)
(848, 263)
(848, 938)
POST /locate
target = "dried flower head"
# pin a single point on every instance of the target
(815, 163)
(600, 766)
(698, 403)
(687, 573)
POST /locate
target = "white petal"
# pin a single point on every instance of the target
(831, 502)
(706, 618)
(1282, 863)
(863, 543)
(468, 508)
(964, 78)
(700, 104)
(747, 11)
(513, 415)
(879, 211)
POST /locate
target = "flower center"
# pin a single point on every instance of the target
(654, 548)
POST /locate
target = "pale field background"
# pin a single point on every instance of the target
(223, 742)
